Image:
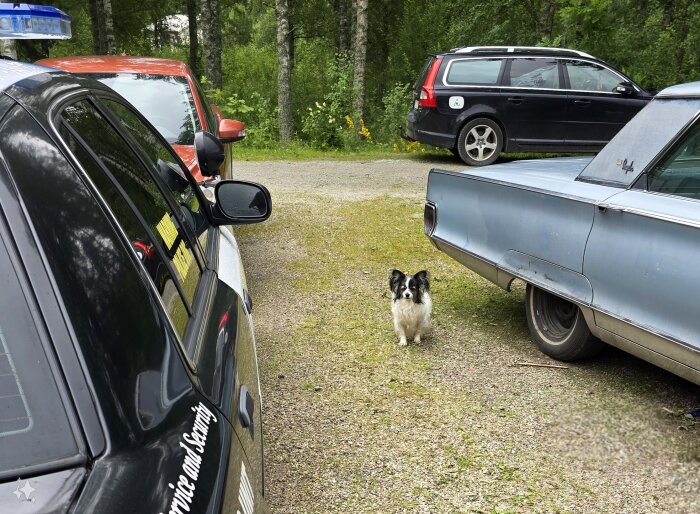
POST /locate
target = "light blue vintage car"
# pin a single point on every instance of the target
(609, 247)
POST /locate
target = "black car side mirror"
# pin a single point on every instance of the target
(240, 203)
(210, 153)
(625, 88)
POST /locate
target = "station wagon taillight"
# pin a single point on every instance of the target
(427, 96)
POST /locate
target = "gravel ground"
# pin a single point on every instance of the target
(354, 423)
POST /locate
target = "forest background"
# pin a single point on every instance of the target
(337, 74)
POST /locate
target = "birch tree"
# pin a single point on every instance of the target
(211, 39)
(110, 46)
(284, 74)
(343, 26)
(360, 51)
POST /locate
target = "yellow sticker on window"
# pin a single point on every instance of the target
(167, 230)
(182, 261)
(182, 258)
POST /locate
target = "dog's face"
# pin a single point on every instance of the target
(406, 287)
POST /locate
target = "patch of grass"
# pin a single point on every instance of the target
(300, 152)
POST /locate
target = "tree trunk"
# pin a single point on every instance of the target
(284, 74)
(360, 56)
(97, 18)
(343, 26)
(211, 39)
(110, 45)
(194, 41)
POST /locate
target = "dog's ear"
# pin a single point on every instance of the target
(422, 278)
(395, 278)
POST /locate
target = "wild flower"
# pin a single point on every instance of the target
(364, 131)
(350, 123)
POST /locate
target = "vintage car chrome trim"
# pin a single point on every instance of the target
(643, 335)
(650, 214)
(547, 192)
(662, 352)
(429, 206)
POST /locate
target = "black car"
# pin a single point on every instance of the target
(128, 369)
(481, 101)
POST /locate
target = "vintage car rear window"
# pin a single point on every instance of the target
(165, 101)
(628, 154)
(34, 428)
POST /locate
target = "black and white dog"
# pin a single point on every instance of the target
(411, 305)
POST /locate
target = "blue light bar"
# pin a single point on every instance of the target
(27, 21)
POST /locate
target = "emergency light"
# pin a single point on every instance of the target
(27, 21)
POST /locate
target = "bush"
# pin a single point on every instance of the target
(396, 104)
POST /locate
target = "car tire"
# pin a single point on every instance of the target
(480, 142)
(558, 326)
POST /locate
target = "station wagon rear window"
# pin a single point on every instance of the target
(474, 71)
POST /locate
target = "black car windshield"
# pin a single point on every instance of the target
(166, 101)
(34, 427)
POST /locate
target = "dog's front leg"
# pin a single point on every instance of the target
(401, 333)
(402, 336)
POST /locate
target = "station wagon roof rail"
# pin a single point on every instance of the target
(520, 49)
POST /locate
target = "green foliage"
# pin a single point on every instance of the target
(656, 42)
(396, 103)
(329, 123)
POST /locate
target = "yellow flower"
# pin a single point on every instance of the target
(351, 124)
(364, 131)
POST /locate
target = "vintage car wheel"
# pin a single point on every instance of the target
(558, 326)
(479, 142)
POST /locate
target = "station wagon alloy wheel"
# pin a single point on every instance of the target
(558, 326)
(480, 142)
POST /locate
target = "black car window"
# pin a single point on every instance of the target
(166, 101)
(587, 76)
(164, 162)
(424, 72)
(174, 270)
(474, 71)
(34, 428)
(679, 173)
(116, 320)
(533, 73)
(208, 113)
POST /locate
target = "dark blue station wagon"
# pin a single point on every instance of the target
(481, 101)
(128, 370)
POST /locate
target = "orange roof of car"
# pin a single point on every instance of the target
(118, 63)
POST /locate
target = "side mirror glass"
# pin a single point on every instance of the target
(231, 131)
(210, 153)
(240, 203)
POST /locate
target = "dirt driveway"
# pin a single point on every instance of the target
(355, 424)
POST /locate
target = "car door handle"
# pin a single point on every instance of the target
(582, 102)
(246, 408)
(515, 99)
(609, 207)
